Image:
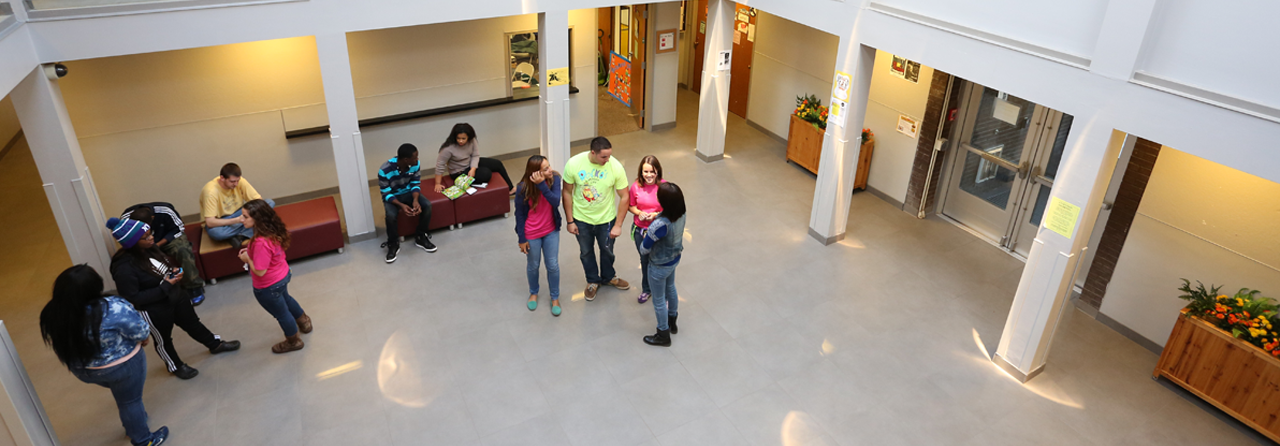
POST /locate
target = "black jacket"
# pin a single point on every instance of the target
(167, 225)
(143, 288)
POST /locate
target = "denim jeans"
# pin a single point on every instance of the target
(666, 303)
(393, 214)
(225, 232)
(589, 236)
(125, 381)
(644, 259)
(277, 301)
(548, 247)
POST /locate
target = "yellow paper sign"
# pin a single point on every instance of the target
(1061, 217)
(557, 76)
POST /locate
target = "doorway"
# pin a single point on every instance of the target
(744, 37)
(1001, 174)
(621, 54)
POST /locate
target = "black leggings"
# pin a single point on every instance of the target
(162, 320)
(485, 170)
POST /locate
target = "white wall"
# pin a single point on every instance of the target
(9, 126)
(1200, 221)
(890, 97)
(665, 69)
(790, 60)
(1068, 27)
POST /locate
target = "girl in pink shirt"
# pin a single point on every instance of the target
(265, 258)
(644, 208)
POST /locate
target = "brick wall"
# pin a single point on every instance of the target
(1129, 196)
(924, 147)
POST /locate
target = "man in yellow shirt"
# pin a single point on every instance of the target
(220, 203)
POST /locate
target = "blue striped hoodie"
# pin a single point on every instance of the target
(392, 182)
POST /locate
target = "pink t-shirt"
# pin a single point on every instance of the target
(265, 252)
(645, 198)
(539, 223)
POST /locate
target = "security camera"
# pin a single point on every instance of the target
(55, 71)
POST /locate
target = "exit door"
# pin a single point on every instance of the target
(1001, 175)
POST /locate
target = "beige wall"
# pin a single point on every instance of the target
(9, 126)
(1201, 221)
(895, 152)
(790, 60)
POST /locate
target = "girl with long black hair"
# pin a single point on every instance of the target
(460, 154)
(100, 339)
(149, 279)
(664, 242)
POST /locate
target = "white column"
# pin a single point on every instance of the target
(67, 182)
(1124, 27)
(1083, 177)
(21, 411)
(664, 77)
(713, 104)
(841, 146)
(344, 133)
(553, 102)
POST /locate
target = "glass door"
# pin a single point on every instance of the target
(1009, 149)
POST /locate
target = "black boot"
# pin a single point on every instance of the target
(662, 338)
(671, 322)
(187, 372)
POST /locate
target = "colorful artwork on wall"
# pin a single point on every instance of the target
(620, 78)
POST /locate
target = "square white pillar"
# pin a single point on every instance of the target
(713, 104)
(553, 101)
(344, 133)
(838, 162)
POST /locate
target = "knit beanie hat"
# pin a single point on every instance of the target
(127, 231)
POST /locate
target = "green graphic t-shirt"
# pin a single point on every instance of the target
(595, 198)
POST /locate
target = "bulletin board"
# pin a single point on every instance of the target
(620, 78)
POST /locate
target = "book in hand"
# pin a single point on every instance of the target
(459, 187)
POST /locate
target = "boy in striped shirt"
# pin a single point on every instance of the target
(399, 185)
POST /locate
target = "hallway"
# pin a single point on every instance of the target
(881, 339)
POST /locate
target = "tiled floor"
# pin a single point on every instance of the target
(878, 340)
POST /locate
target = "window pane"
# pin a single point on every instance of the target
(986, 180)
(1059, 144)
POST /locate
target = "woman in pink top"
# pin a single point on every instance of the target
(644, 208)
(538, 227)
(266, 260)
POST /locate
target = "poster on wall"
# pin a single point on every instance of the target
(840, 86)
(724, 62)
(907, 126)
(835, 113)
(620, 78)
(1061, 217)
(898, 67)
(913, 71)
(666, 41)
(557, 76)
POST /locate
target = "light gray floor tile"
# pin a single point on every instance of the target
(712, 429)
(604, 418)
(726, 372)
(504, 398)
(771, 417)
(628, 358)
(538, 431)
(668, 398)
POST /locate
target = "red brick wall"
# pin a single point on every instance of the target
(1129, 196)
(924, 147)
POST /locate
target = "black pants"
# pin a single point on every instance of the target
(485, 170)
(393, 214)
(162, 320)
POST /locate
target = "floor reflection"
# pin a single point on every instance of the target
(400, 373)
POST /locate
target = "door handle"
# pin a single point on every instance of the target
(1107, 205)
(1023, 169)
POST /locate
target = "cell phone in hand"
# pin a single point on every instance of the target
(174, 272)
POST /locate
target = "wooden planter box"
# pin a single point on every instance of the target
(804, 147)
(1238, 377)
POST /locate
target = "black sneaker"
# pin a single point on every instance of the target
(186, 372)
(225, 346)
(392, 250)
(424, 241)
(157, 438)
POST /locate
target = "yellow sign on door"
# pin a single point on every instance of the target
(1061, 217)
(557, 76)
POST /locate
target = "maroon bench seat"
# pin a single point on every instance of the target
(314, 227)
(491, 201)
(193, 232)
(442, 210)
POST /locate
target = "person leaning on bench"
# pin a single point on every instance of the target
(399, 182)
(169, 236)
(220, 203)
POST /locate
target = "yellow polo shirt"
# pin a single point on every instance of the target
(218, 202)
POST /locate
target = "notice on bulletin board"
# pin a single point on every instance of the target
(1061, 217)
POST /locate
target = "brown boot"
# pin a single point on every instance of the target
(291, 343)
(304, 323)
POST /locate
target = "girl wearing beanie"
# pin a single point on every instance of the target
(265, 257)
(148, 279)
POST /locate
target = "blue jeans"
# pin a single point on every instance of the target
(548, 247)
(589, 236)
(644, 259)
(662, 280)
(277, 301)
(226, 232)
(125, 381)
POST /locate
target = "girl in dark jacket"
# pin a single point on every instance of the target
(148, 279)
(538, 227)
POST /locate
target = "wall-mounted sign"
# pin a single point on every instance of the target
(835, 113)
(1061, 217)
(724, 61)
(907, 126)
(905, 69)
(840, 86)
(557, 76)
(913, 71)
(1006, 111)
(666, 41)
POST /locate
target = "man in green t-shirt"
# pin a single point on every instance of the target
(595, 204)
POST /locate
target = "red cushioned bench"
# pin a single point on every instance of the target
(490, 201)
(442, 210)
(314, 228)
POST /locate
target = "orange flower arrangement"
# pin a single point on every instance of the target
(810, 109)
(1246, 315)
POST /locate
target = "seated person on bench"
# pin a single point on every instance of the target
(220, 203)
(169, 236)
